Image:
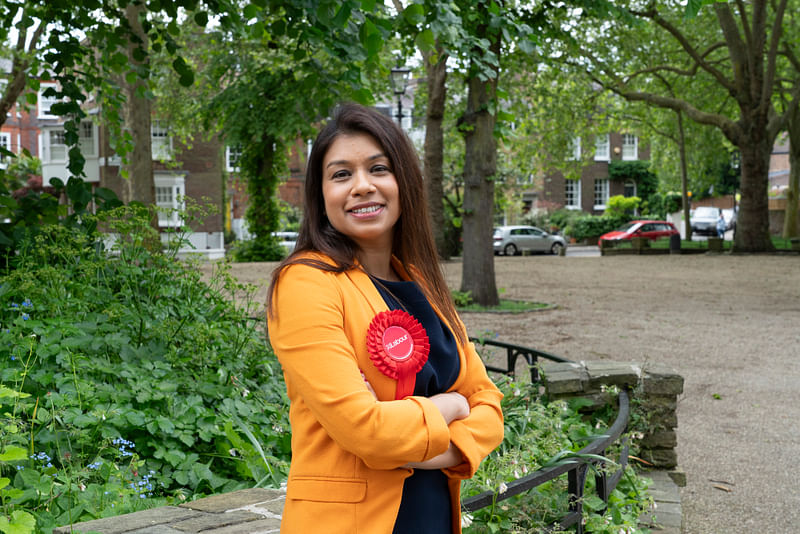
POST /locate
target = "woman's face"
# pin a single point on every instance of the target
(361, 197)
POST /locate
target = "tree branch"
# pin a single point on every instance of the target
(731, 129)
(684, 42)
(740, 63)
(769, 76)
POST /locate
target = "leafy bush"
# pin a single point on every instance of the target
(622, 207)
(258, 249)
(592, 226)
(540, 434)
(127, 368)
(24, 211)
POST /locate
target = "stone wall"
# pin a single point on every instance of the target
(655, 389)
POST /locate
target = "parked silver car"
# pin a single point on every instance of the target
(512, 240)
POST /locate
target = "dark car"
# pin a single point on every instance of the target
(704, 220)
(648, 229)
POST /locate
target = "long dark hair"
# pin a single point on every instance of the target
(412, 242)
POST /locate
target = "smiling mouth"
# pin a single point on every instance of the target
(366, 210)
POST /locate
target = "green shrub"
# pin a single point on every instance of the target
(592, 226)
(622, 207)
(540, 434)
(125, 364)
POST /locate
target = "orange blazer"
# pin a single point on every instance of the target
(347, 447)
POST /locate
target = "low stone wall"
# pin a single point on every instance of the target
(249, 511)
(655, 390)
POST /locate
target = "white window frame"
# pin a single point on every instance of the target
(630, 183)
(5, 142)
(232, 156)
(86, 138)
(160, 141)
(575, 149)
(601, 190)
(48, 135)
(602, 150)
(572, 194)
(630, 147)
(170, 192)
(45, 102)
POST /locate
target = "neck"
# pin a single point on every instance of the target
(378, 263)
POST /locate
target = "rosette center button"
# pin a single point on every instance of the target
(397, 343)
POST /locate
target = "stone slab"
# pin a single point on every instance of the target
(234, 500)
(612, 374)
(662, 380)
(158, 529)
(205, 521)
(130, 522)
(262, 526)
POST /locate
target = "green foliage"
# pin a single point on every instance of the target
(638, 171)
(540, 434)
(132, 376)
(593, 226)
(461, 298)
(622, 207)
(661, 204)
(258, 249)
(25, 211)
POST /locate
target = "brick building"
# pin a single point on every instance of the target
(591, 192)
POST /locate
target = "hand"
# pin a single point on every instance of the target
(453, 406)
(452, 456)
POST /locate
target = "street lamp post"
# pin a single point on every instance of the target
(399, 80)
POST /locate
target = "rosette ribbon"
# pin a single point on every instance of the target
(398, 346)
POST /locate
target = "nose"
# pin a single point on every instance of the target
(362, 183)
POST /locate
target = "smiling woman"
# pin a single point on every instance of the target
(361, 197)
(391, 406)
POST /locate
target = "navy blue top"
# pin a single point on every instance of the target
(425, 507)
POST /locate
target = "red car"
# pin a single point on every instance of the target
(652, 230)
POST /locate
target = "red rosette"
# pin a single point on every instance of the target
(398, 346)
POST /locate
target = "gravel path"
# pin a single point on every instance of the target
(729, 324)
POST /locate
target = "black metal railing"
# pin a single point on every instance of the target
(575, 466)
(514, 352)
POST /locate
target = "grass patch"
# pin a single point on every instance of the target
(505, 306)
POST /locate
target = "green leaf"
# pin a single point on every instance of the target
(414, 14)
(201, 18)
(21, 523)
(13, 453)
(250, 11)
(425, 40)
(165, 424)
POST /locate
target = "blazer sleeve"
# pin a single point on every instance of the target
(307, 332)
(482, 431)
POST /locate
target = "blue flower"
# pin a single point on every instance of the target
(25, 316)
(14, 305)
(27, 303)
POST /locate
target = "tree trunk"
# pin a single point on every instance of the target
(434, 147)
(139, 165)
(480, 166)
(687, 223)
(752, 225)
(792, 194)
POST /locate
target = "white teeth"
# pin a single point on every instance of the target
(369, 209)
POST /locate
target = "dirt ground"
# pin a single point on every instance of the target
(729, 324)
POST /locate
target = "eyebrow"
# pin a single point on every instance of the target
(345, 162)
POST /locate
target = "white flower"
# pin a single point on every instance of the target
(232, 452)
(245, 392)
(466, 520)
(503, 488)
